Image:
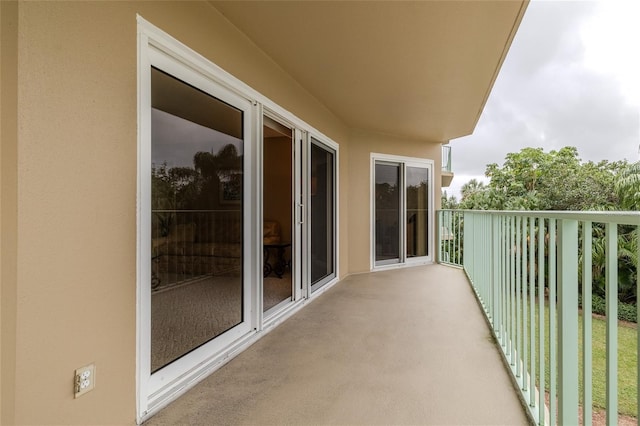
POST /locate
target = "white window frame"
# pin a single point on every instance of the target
(163, 383)
(404, 162)
(328, 145)
(157, 48)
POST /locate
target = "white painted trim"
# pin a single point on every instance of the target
(174, 48)
(165, 52)
(142, 302)
(267, 318)
(161, 384)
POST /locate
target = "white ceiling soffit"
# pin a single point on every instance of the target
(419, 69)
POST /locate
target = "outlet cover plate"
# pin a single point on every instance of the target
(85, 380)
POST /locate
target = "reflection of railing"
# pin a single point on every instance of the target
(446, 158)
(188, 244)
(527, 269)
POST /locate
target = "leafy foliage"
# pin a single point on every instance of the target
(536, 180)
(627, 187)
(626, 312)
(533, 179)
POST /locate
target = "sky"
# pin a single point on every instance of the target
(571, 78)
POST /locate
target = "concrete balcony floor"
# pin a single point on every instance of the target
(405, 346)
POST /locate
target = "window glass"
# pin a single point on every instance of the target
(196, 201)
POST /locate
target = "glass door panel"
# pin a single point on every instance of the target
(197, 152)
(322, 214)
(387, 213)
(277, 210)
(417, 216)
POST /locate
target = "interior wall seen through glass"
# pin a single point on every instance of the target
(277, 211)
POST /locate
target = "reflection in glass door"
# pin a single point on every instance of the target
(197, 176)
(322, 214)
(417, 230)
(401, 209)
(387, 213)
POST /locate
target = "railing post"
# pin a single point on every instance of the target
(439, 215)
(587, 303)
(568, 324)
(496, 274)
(541, 321)
(611, 289)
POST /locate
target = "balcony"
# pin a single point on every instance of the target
(404, 346)
(586, 373)
(447, 173)
(469, 341)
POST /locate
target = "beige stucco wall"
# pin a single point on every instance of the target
(361, 145)
(8, 212)
(76, 194)
(68, 200)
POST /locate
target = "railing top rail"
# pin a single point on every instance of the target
(618, 217)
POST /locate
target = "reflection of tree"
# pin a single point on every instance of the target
(193, 188)
(386, 195)
(417, 196)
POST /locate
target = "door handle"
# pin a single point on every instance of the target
(301, 221)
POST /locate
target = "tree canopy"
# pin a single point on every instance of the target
(533, 179)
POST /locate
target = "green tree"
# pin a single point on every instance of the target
(533, 179)
(448, 201)
(627, 187)
(557, 180)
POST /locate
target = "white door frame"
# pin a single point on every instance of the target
(159, 49)
(403, 162)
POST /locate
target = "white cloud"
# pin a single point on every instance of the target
(612, 41)
(569, 80)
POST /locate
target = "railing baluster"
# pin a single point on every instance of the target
(541, 326)
(524, 297)
(497, 274)
(611, 231)
(518, 297)
(450, 235)
(513, 332)
(532, 311)
(504, 267)
(553, 391)
(587, 231)
(439, 216)
(568, 323)
(511, 259)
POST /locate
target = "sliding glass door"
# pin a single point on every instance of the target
(279, 242)
(387, 212)
(322, 201)
(196, 296)
(417, 211)
(402, 212)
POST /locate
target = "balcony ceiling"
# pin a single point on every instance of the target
(419, 69)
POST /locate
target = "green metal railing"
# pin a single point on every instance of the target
(511, 259)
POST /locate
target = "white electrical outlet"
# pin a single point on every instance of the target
(85, 380)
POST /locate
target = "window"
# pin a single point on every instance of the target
(402, 210)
